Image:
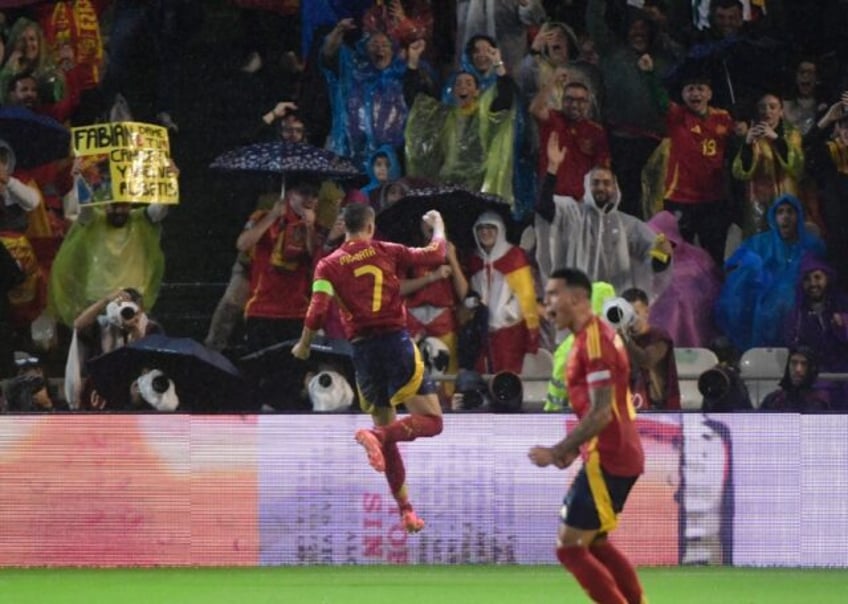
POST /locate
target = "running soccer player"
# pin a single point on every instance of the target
(363, 276)
(598, 374)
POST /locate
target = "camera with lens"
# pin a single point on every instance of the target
(120, 312)
(619, 313)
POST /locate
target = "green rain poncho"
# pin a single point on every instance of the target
(471, 147)
(96, 259)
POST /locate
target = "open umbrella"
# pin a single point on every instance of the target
(36, 139)
(282, 157)
(459, 207)
(206, 381)
(278, 378)
(324, 352)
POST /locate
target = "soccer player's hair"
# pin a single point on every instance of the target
(357, 216)
(574, 278)
(634, 294)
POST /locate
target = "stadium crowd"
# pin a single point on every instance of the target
(691, 157)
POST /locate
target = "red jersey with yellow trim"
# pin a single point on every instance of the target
(364, 278)
(598, 359)
(696, 171)
(280, 269)
(586, 147)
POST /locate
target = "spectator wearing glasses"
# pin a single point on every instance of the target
(584, 140)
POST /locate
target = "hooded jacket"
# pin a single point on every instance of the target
(503, 279)
(803, 397)
(813, 324)
(606, 244)
(759, 291)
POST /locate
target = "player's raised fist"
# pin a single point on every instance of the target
(434, 219)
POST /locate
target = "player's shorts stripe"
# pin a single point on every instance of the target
(323, 286)
(600, 493)
(593, 341)
(409, 389)
(598, 376)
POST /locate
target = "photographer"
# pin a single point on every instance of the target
(651, 350)
(29, 391)
(108, 324)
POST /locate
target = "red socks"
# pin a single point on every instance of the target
(593, 576)
(396, 474)
(620, 567)
(409, 428)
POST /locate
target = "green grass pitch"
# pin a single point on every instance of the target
(407, 585)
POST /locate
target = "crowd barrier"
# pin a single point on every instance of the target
(744, 489)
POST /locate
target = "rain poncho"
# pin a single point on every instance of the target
(523, 155)
(606, 244)
(368, 104)
(685, 308)
(768, 169)
(394, 172)
(469, 147)
(759, 289)
(97, 258)
(504, 281)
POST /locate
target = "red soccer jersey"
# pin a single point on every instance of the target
(597, 359)
(696, 172)
(280, 271)
(364, 277)
(586, 148)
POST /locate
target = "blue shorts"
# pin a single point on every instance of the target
(595, 498)
(389, 370)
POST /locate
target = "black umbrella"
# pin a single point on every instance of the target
(36, 139)
(278, 378)
(459, 207)
(282, 157)
(206, 381)
(323, 352)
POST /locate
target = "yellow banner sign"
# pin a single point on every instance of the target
(125, 162)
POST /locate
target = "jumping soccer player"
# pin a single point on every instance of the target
(598, 374)
(363, 275)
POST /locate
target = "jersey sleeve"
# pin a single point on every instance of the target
(599, 358)
(322, 295)
(433, 254)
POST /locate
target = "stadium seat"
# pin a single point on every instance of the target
(691, 363)
(761, 369)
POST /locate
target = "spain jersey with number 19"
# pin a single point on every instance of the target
(364, 278)
(598, 358)
(696, 170)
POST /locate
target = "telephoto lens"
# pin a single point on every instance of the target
(160, 384)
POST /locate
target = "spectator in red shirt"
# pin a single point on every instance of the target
(585, 140)
(281, 242)
(696, 179)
